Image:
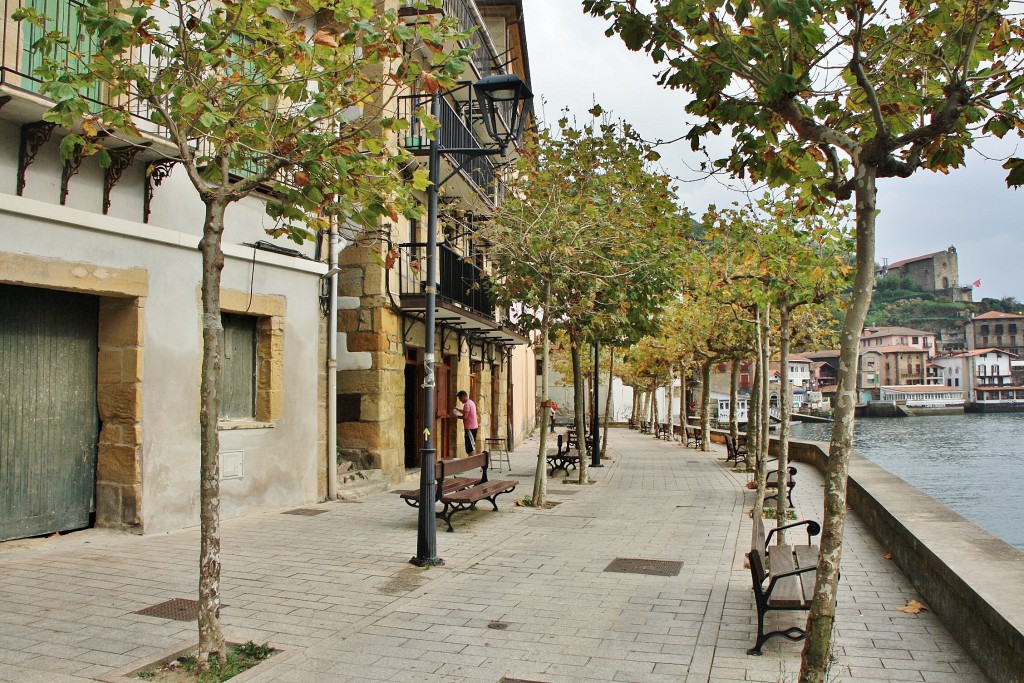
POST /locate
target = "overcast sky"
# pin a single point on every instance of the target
(573, 65)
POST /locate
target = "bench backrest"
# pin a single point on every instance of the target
(757, 540)
(757, 567)
(447, 468)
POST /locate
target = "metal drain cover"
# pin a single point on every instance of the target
(305, 512)
(178, 609)
(623, 565)
(498, 625)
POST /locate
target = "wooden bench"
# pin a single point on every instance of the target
(735, 451)
(789, 572)
(772, 482)
(562, 458)
(462, 493)
(694, 436)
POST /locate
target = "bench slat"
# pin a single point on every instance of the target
(807, 556)
(479, 492)
(787, 592)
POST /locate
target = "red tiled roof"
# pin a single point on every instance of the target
(996, 315)
(905, 261)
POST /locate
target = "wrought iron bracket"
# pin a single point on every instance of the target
(121, 159)
(72, 166)
(33, 136)
(156, 173)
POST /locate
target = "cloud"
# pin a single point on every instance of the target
(574, 64)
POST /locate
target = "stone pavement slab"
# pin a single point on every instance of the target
(523, 595)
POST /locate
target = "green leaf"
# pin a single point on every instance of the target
(421, 179)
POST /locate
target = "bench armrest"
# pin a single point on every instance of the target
(783, 575)
(813, 529)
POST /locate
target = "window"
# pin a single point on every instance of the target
(1013, 328)
(984, 329)
(915, 340)
(999, 329)
(252, 364)
(238, 367)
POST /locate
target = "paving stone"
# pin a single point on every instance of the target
(361, 613)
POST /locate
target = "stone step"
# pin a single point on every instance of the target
(355, 484)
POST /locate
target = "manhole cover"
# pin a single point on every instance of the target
(305, 512)
(178, 609)
(623, 565)
(498, 625)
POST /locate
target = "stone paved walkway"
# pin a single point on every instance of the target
(339, 587)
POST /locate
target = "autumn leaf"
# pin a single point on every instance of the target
(912, 607)
(887, 556)
(302, 179)
(429, 83)
(325, 38)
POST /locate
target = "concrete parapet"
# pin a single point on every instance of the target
(972, 580)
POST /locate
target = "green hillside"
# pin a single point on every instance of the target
(898, 302)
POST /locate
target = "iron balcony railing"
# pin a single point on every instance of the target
(455, 132)
(20, 58)
(484, 58)
(459, 280)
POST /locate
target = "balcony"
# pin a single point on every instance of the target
(457, 131)
(484, 59)
(463, 300)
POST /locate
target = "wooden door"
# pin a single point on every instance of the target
(49, 425)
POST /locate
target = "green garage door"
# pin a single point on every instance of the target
(48, 419)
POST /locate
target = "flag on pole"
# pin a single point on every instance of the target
(976, 283)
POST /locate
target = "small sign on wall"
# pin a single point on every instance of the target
(232, 464)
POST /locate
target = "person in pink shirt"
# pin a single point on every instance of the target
(469, 420)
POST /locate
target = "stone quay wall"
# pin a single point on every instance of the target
(972, 580)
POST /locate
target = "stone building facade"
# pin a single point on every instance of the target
(381, 334)
(938, 272)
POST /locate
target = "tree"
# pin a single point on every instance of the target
(829, 96)
(586, 240)
(796, 262)
(254, 96)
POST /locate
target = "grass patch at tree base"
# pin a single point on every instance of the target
(185, 668)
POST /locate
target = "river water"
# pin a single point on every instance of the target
(972, 463)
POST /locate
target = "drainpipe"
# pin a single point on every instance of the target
(332, 366)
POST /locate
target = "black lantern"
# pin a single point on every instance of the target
(503, 101)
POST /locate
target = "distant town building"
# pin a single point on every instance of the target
(875, 337)
(937, 272)
(996, 330)
(987, 375)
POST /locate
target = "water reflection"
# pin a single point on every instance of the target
(972, 463)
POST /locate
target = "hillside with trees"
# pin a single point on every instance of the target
(899, 302)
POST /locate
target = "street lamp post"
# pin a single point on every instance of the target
(494, 93)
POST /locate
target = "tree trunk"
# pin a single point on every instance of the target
(763, 416)
(734, 400)
(540, 478)
(668, 404)
(608, 405)
(705, 406)
(817, 649)
(579, 406)
(654, 410)
(211, 637)
(682, 403)
(754, 408)
(785, 409)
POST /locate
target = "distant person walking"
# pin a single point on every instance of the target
(470, 422)
(554, 411)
